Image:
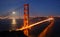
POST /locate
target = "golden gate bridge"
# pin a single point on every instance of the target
(26, 22)
(26, 25)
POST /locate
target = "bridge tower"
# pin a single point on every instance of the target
(26, 18)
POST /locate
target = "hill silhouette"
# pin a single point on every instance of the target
(12, 34)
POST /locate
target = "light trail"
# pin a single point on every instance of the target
(35, 24)
(13, 21)
(13, 24)
(46, 30)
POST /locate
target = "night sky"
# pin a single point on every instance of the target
(37, 7)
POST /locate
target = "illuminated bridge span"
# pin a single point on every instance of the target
(45, 31)
(23, 28)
